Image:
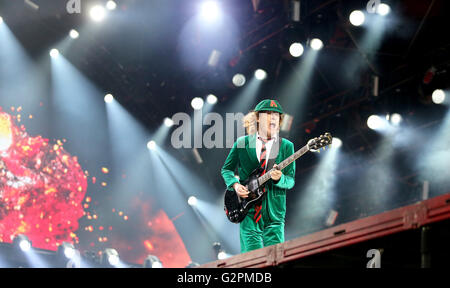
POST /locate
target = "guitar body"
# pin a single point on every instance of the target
(236, 208)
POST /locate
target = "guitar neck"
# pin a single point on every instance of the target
(266, 177)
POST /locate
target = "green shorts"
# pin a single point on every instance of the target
(262, 234)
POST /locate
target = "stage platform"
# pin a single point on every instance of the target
(413, 236)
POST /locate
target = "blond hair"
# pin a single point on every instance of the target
(249, 122)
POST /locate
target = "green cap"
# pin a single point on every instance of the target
(269, 105)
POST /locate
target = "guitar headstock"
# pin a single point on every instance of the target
(319, 142)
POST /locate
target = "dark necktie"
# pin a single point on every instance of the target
(262, 162)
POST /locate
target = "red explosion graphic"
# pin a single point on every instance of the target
(153, 233)
(41, 188)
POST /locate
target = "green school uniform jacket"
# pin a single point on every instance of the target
(243, 156)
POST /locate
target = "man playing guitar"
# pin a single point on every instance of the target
(264, 224)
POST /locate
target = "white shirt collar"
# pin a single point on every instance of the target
(274, 137)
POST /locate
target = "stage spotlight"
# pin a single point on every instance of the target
(111, 5)
(296, 49)
(168, 122)
(110, 257)
(217, 247)
(211, 99)
(109, 98)
(438, 96)
(151, 145)
(214, 58)
(197, 103)
(192, 265)
(260, 74)
(68, 256)
(295, 14)
(54, 53)
(374, 122)
(395, 119)
(22, 242)
(152, 262)
(74, 34)
(32, 5)
(332, 215)
(67, 249)
(1, 20)
(210, 10)
(238, 80)
(192, 201)
(316, 44)
(383, 9)
(97, 13)
(222, 255)
(336, 143)
(25, 245)
(357, 18)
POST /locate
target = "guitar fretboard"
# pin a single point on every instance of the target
(264, 178)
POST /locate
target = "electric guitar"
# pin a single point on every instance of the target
(236, 208)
